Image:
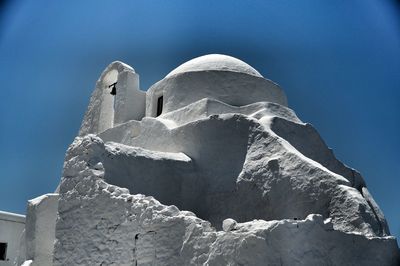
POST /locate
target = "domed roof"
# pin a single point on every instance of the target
(216, 62)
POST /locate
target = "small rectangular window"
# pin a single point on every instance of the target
(3, 251)
(159, 105)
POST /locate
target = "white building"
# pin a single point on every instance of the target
(209, 166)
(11, 228)
(217, 77)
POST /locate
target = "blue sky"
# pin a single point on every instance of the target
(338, 62)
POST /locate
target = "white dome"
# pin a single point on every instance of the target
(216, 62)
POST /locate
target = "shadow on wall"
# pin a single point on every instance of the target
(202, 182)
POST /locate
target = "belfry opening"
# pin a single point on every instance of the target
(113, 88)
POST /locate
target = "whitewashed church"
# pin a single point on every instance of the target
(209, 166)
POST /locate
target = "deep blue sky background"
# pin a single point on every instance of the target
(338, 62)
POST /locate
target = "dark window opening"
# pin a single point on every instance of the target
(3, 251)
(159, 105)
(113, 89)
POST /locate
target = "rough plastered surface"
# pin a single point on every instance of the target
(102, 224)
(252, 179)
(226, 175)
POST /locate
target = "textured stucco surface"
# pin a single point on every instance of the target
(102, 224)
(226, 175)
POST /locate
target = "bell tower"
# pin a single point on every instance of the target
(115, 100)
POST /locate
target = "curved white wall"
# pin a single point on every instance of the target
(232, 88)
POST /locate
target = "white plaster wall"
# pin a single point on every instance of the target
(107, 104)
(40, 229)
(251, 164)
(101, 113)
(168, 176)
(11, 228)
(122, 133)
(232, 88)
(130, 101)
(126, 132)
(219, 152)
(102, 224)
(236, 169)
(206, 107)
(152, 95)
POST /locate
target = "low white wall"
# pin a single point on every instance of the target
(11, 228)
(40, 229)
